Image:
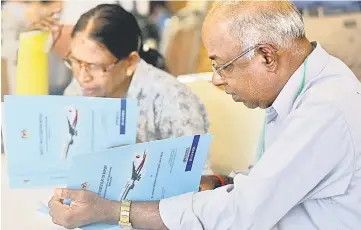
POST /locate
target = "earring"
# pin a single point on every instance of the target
(129, 72)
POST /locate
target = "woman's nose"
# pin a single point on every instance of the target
(83, 75)
(217, 80)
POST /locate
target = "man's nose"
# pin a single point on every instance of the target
(217, 80)
(83, 75)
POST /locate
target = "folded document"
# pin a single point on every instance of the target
(43, 133)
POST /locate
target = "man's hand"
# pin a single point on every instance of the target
(212, 182)
(85, 208)
(209, 183)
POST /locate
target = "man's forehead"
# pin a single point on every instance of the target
(217, 39)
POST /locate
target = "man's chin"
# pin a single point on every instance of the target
(250, 105)
(236, 98)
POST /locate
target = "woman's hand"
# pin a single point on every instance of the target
(36, 11)
(47, 24)
(41, 17)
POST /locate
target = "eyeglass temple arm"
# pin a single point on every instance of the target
(235, 58)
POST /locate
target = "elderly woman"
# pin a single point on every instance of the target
(108, 59)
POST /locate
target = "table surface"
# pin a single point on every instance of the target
(19, 206)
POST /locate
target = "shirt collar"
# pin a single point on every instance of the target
(284, 102)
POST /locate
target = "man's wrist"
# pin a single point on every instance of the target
(110, 212)
(146, 215)
(220, 181)
(217, 181)
(143, 215)
(228, 180)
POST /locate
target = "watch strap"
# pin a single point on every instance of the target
(124, 216)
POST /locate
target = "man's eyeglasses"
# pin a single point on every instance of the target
(92, 69)
(218, 70)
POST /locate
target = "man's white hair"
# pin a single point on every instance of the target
(262, 22)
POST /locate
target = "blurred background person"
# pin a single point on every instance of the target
(18, 17)
(337, 25)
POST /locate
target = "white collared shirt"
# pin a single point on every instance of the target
(309, 176)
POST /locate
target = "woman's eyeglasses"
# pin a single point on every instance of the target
(92, 69)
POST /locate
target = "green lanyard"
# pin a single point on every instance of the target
(261, 143)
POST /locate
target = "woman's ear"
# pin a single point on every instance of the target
(133, 60)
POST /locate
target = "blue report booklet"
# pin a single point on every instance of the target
(145, 171)
(43, 133)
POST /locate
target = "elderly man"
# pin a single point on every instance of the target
(308, 173)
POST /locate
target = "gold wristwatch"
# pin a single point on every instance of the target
(124, 218)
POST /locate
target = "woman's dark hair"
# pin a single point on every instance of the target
(118, 30)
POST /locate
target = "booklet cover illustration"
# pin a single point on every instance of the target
(72, 118)
(43, 133)
(145, 171)
(138, 163)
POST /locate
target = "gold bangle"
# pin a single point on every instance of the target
(124, 218)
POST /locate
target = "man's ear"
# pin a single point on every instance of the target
(133, 60)
(270, 57)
